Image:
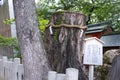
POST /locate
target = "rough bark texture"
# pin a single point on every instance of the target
(114, 73)
(65, 46)
(34, 56)
(111, 54)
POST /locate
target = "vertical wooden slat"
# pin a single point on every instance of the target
(20, 72)
(4, 59)
(10, 70)
(72, 73)
(52, 75)
(1, 76)
(4, 67)
(61, 77)
(16, 63)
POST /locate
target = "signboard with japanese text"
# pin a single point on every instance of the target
(93, 52)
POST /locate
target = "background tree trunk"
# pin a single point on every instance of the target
(34, 56)
(114, 72)
(65, 47)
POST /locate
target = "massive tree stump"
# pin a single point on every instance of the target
(65, 46)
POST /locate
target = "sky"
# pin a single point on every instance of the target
(36, 1)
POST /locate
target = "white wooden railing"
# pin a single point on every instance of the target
(11, 69)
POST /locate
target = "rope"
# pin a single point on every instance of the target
(66, 25)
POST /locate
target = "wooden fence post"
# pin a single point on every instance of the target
(61, 77)
(2, 67)
(16, 63)
(52, 75)
(72, 73)
(1, 70)
(20, 72)
(6, 69)
(91, 72)
(4, 60)
(10, 70)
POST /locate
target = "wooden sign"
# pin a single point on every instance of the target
(93, 52)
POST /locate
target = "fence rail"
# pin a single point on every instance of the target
(11, 69)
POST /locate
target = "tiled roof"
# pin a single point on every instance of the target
(92, 28)
(111, 40)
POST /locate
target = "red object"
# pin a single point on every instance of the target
(96, 34)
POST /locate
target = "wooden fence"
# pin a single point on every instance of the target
(11, 69)
(71, 74)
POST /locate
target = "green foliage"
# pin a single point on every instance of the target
(18, 56)
(43, 23)
(9, 21)
(96, 10)
(43, 14)
(101, 72)
(7, 41)
(43, 9)
(10, 42)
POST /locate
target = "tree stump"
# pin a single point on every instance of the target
(65, 46)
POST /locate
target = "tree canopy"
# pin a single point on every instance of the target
(96, 10)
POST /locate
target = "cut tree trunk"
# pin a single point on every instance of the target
(34, 57)
(65, 46)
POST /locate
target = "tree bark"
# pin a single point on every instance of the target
(114, 72)
(34, 58)
(65, 46)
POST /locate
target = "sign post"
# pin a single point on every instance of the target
(93, 54)
(91, 72)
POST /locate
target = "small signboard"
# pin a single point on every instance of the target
(93, 51)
